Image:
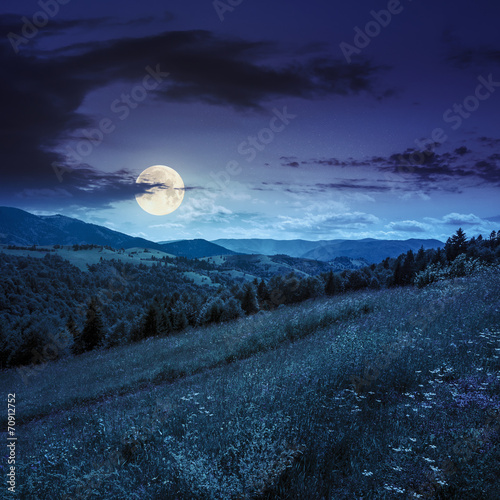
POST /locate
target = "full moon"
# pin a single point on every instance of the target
(166, 192)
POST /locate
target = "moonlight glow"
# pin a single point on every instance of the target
(166, 192)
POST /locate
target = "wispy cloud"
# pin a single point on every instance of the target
(407, 172)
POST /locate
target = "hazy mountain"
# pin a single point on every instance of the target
(293, 248)
(371, 250)
(194, 249)
(18, 227)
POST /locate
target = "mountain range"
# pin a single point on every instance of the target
(369, 249)
(21, 228)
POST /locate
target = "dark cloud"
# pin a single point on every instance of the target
(462, 150)
(430, 171)
(352, 185)
(87, 186)
(289, 161)
(40, 93)
(329, 162)
(489, 142)
(319, 187)
(481, 56)
(411, 170)
(14, 23)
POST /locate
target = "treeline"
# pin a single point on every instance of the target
(75, 247)
(459, 257)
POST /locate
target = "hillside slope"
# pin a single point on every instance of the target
(374, 394)
(18, 227)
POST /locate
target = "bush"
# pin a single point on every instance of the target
(460, 267)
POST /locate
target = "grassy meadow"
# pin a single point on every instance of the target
(368, 395)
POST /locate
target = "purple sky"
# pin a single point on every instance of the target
(285, 119)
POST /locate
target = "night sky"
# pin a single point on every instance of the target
(285, 119)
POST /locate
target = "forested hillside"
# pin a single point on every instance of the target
(115, 302)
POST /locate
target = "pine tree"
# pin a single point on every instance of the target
(262, 293)
(439, 257)
(456, 245)
(408, 268)
(72, 328)
(397, 277)
(420, 260)
(150, 323)
(179, 318)
(493, 237)
(249, 300)
(232, 310)
(334, 284)
(164, 324)
(330, 284)
(356, 280)
(93, 330)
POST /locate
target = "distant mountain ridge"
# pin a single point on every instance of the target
(18, 227)
(21, 228)
(195, 249)
(369, 249)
